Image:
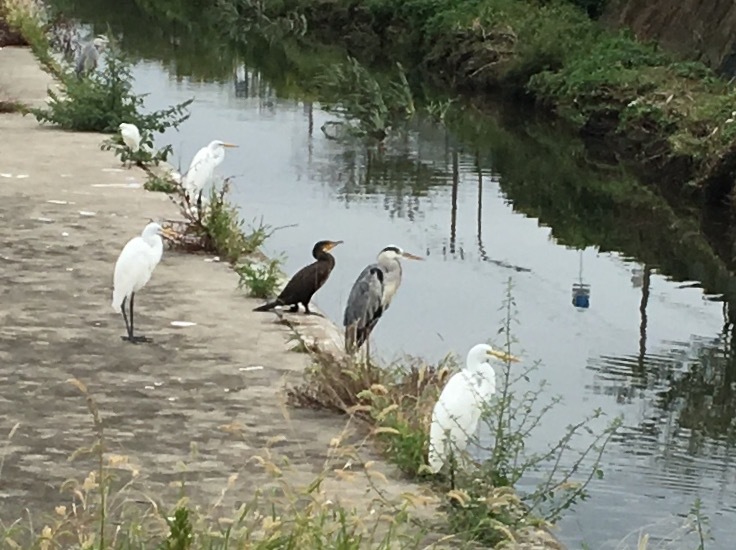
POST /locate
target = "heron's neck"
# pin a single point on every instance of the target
(389, 265)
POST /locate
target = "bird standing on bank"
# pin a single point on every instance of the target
(87, 60)
(458, 410)
(133, 270)
(306, 281)
(131, 136)
(202, 168)
(371, 295)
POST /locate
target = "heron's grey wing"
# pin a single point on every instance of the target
(364, 302)
(87, 59)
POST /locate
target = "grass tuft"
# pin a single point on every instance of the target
(261, 278)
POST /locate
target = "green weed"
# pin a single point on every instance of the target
(216, 227)
(102, 100)
(262, 279)
(160, 184)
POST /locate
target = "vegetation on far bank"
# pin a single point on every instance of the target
(673, 117)
(669, 114)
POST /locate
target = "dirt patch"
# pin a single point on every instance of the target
(67, 210)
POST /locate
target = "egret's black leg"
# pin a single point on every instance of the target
(125, 318)
(131, 338)
(199, 203)
(452, 471)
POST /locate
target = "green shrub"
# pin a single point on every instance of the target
(262, 279)
(105, 98)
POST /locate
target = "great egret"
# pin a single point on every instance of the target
(133, 269)
(456, 414)
(202, 168)
(371, 295)
(306, 281)
(87, 60)
(131, 136)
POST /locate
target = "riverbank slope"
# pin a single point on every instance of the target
(199, 403)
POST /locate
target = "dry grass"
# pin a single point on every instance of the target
(113, 506)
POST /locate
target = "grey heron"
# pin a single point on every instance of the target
(372, 294)
(87, 60)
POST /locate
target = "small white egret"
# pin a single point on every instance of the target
(457, 412)
(133, 270)
(131, 136)
(202, 168)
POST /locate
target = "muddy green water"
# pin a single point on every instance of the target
(495, 197)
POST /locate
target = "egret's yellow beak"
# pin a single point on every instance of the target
(411, 256)
(503, 356)
(169, 233)
(229, 145)
(332, 244)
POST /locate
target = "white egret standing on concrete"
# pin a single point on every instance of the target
(87, 60)
(131, 136)
(133, 270)
(372, 294)
(458, 410)
(202, 168)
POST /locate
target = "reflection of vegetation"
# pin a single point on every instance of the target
(182, 35)
(371, 108)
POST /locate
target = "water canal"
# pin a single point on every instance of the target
(497, 196)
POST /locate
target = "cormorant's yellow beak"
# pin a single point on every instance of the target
(169, 233)
(332, 244)
(503, 356)
(411, 256)
(229, 145)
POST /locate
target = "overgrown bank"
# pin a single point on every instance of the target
(672, 117)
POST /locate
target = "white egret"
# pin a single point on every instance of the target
(458, 410)
(131, 136)
(88, 58)
(202, 168)
(371, 295)
(133, 270)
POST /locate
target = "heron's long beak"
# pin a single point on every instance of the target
(411, 256)
(169, 233)
(331, 245)
(503, 356)
(229, 145)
